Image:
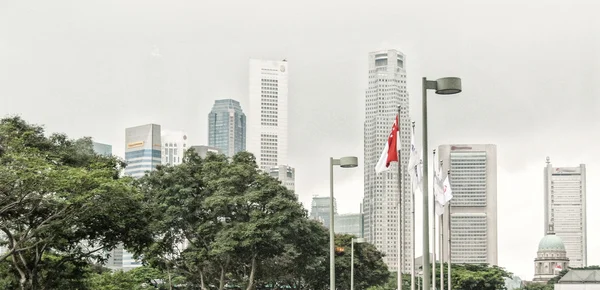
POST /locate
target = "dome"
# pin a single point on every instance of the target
(551, 242)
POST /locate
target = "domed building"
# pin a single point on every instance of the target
(551, 257)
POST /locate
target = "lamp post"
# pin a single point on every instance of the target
(443, 86)
(344, 162)
(358, 241)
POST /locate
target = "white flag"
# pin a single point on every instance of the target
(447, 190)
(438, 190)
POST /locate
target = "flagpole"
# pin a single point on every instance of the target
(433, 224)
(412, 208)
(449, 240)
(400, 218)
(441, 241)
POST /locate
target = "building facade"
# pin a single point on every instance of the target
(142, 149)
(473, 209)
(319, 210)
(565, 208)
(386, 91)
(174, 145)
(351, 224)
(285, 174)
(268, 112)
(102, 149)
(227, 127)
(203, 150)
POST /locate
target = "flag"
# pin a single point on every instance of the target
(438, 190)
(447, 190)
(390, 152)
(416, 177)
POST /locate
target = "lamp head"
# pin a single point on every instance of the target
(349, 162)
(448, 86)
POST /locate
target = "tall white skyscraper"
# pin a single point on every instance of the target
(268, 112)
(474, 214)
(565, 207)
(386, 91)
(174, 145)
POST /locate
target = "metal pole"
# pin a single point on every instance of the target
(433, 286)
(441, 242)
(331, 231)
(426, 269)
(352, 267)
(442, 252)
(449, 240)
(412, 209)
(400, 209)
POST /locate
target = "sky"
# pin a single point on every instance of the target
(530, 73)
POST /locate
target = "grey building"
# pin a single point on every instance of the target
(565, 208)
(351, 224)
(285, 174)
(386, 91)
(473, 209)
(203, 150)
(102, 149)
(227, 127)
(319, 210)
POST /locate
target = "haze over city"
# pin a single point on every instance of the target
(529, 74)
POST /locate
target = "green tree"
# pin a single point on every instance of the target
(61, 203)
(369, 268)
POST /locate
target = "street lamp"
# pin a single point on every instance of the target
(344, 162)
(358, 241)
(443, 86)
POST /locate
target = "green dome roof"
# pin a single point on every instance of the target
(551, 243)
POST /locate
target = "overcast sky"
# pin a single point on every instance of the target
(530, 70)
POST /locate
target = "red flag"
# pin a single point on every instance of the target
(390, 152)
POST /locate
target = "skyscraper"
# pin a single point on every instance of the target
(268, 112)
(565, 207)
(174, 145)
(387, 91)
(474, 224)
(227, 127)
(319, 209)
(142, 149)
(142, 154)
(350, 223)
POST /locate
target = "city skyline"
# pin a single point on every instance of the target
(528, 85)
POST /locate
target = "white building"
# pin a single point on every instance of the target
(267, 130)
(473, 208)
(174, 145)
(565, 207)
(285, 174)
(386, 91)
(551, 257)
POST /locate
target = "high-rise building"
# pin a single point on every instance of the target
(285, 174)
(268, 112)
(203, 150)
(227, 127)
(473, 208)
(319, 210)
(142, 154)
(351, 223)
(565, 208)
(386, 91)
(102, 149)
(174, 145)
(142, 149)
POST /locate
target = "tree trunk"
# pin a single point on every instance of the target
(22, 275)
(252, 272)
(202, 281)
(222, 279)
(170, 282)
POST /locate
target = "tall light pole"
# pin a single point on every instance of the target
(358, 241)
(344, 162)
(443, 86)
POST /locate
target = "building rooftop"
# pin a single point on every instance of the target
(581, 276)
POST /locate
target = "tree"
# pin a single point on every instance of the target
(61, 203)
(476, 276)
